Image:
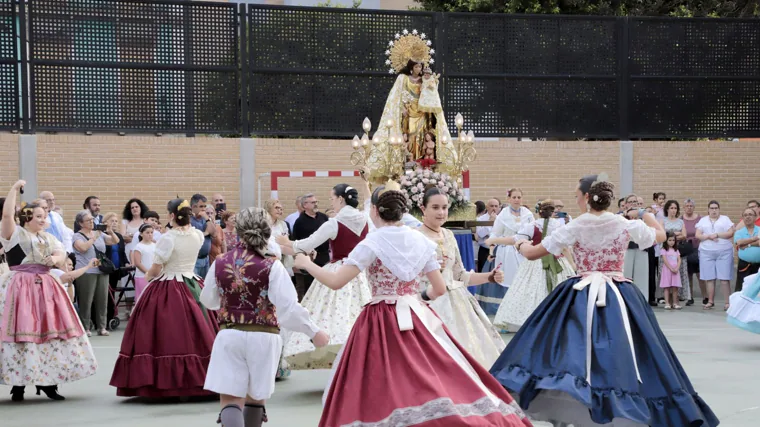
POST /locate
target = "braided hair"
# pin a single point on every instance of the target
(391, 204)
(601, 193)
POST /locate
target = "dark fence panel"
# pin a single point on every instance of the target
(132, 65)
(532, 76)
(10, 109)
(694, 77)
(319, 71)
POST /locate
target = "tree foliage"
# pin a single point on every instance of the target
(682, 8)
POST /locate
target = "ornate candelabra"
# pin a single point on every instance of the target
(388, 156)
(463, 152)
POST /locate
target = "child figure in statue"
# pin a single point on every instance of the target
(427, 160)
(430, 101)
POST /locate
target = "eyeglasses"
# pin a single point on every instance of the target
(559, 206)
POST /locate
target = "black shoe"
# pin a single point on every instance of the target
(653, 303)
(51, 391)
(17, 393)
(689, 302)
(705, 301)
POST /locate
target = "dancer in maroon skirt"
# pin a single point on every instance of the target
(400, 365)
(167, 345)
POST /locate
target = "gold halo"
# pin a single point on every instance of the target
(410, 46)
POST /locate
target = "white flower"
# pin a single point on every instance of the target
(390, 43)
(420, 186)
(426, 173)
(422, 36)
(436, 175)
(414, 190)
(460, 198)
(440, 184)
(387, 52)
(391, 71)
(432, 61)
(414, 32)
(387, 62)
(425, 181)
(445, 189)
(429, 43)
(398, 35)
(432, 181)
(432, 51)
(405, 32)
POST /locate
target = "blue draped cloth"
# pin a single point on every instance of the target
(464, 241)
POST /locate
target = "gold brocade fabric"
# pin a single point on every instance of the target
(417, 121)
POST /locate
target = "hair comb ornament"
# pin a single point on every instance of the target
(602, 177)
(390, 186)
(184, 204)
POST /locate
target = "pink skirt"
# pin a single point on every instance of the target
(140, 285)
(37, 308)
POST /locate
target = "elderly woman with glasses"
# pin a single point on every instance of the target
(716, 252)
(92, 287)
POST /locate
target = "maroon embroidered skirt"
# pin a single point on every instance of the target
(167, 344)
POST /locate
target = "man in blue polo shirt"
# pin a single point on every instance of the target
(202, 222)
(747, 239)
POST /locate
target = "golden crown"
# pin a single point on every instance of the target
(408, 46)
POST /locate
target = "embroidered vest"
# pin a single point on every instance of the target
(345, 242)
(243, 280)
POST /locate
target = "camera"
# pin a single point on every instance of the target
(101, 227)
(561, 214)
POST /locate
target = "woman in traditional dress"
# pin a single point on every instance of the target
(42, 341)
(458, 308)
(744, 310)
(167, 345)
(398, 345)
(592, 353)
(254, 296)
(503, 235)
(333, 311)
(536, 279)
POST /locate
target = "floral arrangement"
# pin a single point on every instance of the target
(415, 183)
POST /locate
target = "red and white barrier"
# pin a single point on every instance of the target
(276, 175)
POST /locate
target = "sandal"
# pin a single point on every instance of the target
(677, 307)
(667, 307)
(726, 306)
(104, 333)
(708, 306)
(89, 333)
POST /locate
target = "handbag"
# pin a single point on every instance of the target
(685, 248)
(106, 265)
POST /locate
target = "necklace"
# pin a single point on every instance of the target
(441, 247)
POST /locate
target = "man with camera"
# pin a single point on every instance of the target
(202, 222)
(220, 207)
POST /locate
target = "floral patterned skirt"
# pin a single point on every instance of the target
(50, 362)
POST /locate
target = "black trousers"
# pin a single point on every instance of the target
(303, 283)
(743, 270)
(653, 264)
(482, 257)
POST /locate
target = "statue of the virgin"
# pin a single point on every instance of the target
(408, 56)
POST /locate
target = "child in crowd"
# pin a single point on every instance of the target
(142, 257)
(670, 278)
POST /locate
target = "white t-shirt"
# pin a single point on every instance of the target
(58, 273)
(147, 252)
(136, 239)
(707, 226)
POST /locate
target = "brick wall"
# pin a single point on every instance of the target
(118, 168)
(726, 171)
(156, 169)
(8, 161)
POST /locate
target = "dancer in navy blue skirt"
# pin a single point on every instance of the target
(592, 353)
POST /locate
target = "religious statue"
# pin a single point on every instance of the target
(413, 107)
(427, 161)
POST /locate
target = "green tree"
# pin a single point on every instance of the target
(687, 8)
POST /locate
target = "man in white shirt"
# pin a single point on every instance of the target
(493, 207)
(291, 219)
(57, 228)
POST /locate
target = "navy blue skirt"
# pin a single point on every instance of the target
(490, 295)
(549, 354)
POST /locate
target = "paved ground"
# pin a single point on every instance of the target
(721, 361)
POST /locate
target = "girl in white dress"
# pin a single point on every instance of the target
(333, 311)
(457, 308)
(534, 279)
(504, 232)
